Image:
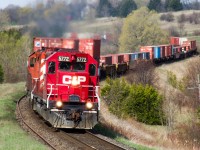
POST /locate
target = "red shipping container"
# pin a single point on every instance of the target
(193, 44)
(168, 50)
(90, 46)
(178, 49)
(40, 42)
(162, 50)
(174, 40)
(102, 60)
(127, 57)
(149, 49)
(116, 58)
(186, 43)
(106, 60)
(183, 48)
(120, 59)
(70, 43)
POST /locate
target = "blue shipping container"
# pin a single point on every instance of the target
(134, 56)
(146, 55)
(157, 53)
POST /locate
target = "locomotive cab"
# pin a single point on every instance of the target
(71, 78)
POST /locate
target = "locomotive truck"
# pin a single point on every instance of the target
(63, 81)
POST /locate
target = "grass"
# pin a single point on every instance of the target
(12, 136)
(99, 128)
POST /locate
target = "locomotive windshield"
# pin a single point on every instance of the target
(72, 66)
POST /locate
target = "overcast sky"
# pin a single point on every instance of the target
(5, 3)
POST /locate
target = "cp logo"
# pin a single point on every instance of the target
(73, 79)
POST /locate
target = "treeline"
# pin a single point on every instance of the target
(14, 49)
(50, 19)
(123, 8)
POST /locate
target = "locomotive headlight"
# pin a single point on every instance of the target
(75, 81)
(59, 104)
(89, 105)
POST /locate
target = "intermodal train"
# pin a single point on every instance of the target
(63, 81)
(179, 48)
(63, 75)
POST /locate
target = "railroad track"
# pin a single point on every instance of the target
(29, 127)
(91, 140)
(80, 139)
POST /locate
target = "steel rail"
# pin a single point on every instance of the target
(75, 140)
(22, 119)
(114, 145)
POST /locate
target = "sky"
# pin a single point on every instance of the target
(5, 3)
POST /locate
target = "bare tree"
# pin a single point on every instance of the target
(170, 108)
(142, 72)
(192, 91)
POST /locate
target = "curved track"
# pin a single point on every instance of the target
(64, 139)
(23, 121)
(92, 140)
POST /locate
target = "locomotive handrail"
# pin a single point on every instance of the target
(98, 98)
(34, 87)
(49, 94)
(95, 91)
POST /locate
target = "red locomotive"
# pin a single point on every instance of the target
(63, 81)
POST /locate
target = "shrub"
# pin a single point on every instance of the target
(196, 32)
(162, 17)
(167, 17)
(173, 31)
(142, 72)
(182, 18)
(194, 18)
(141, 102)
(174, 82)
(115, 92)
(144, 103)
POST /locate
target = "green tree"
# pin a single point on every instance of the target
(141, 28)
(126, 7)
(1, 74)
(115, 92)
(4, 18)
(14, 49)
(145, 104)
(104, 8)
(154, 5)
(174, 5)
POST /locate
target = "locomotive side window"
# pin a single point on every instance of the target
(78, 66)
(92, 70)
(32, 61)
(51, 67)
(64, 65)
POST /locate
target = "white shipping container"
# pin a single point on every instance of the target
(182, 39)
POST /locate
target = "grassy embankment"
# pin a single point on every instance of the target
(12, 136)
(119, 138)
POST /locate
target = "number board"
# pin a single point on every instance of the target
(63, 58)
(81, 59)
